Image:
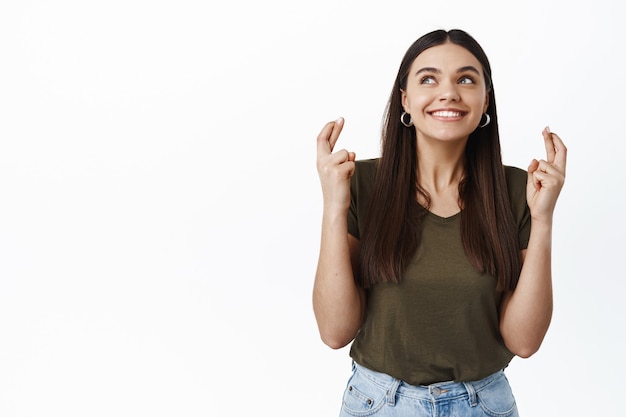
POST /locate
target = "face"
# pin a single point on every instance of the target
(446, 93)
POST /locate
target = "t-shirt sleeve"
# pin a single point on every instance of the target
(516, 182)
(353, 221)
(353, 216)
(361, 186)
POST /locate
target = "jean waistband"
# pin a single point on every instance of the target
(432, 392)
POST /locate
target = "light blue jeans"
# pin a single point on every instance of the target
(375, 394)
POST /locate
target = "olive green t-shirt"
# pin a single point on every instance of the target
(440, 323)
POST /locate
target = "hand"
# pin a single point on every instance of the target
(334, 169)
(546, 178)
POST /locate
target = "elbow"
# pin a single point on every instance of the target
(336, 333)
(337, 337)
(524, 341)
(524, 349)
(525, 352)
(335, 341)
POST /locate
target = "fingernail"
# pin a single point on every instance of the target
(548, 129)
(340, 120)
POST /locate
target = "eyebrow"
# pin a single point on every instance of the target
(466, 68)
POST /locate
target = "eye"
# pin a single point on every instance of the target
(466, 79)
(427, 79)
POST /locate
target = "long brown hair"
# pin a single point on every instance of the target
(393, 226)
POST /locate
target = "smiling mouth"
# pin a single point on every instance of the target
(447, 114)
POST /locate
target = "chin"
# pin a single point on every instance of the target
(448, 134)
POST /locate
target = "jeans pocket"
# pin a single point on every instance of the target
(497, 400)
(362, 397)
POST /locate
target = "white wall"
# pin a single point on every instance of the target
(160, 207)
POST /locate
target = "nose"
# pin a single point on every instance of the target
(449, 92)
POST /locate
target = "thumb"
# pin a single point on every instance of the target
(532, 168)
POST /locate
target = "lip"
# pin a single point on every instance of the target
(447, 114)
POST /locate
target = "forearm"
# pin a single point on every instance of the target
(337, 301)
(526, 313)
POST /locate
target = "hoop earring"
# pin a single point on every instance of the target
(402, 117)
(486, 121)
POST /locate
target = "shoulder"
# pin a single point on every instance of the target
(365, 170)
(367, 166)
(363, 179)
(516, 179)
(515, 173)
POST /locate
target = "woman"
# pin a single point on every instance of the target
(435, 259)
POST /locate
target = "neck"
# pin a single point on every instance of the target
(440, 165)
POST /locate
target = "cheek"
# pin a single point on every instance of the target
(416, 102)
(479, 103)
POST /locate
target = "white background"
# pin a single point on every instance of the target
(160, 207)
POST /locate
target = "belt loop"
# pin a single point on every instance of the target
(391, 392)
(472, 393)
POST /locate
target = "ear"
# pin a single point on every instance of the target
(486, 102)
(405, 101)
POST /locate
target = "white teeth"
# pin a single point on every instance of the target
(446, 114)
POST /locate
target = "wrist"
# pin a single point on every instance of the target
(543, 222)
(335, 215)
(541, 231)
